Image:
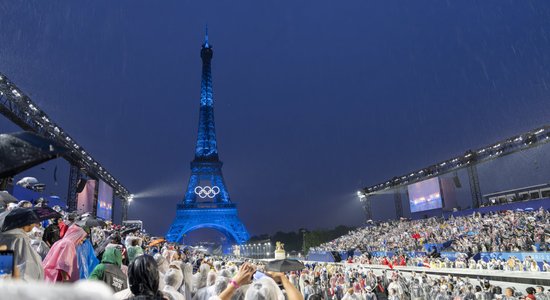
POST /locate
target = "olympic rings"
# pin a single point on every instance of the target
(207, 191)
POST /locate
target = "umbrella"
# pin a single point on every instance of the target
(27, 182)
(91, 222)
(24, 150)
(529, 209)
(6, 198)
(284, 265)
(156, 242)
(20, 217)
(128, 230)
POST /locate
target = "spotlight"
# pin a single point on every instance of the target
(531, 139)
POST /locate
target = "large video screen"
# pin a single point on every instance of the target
(85, 199)
(104, 201)
(425, 195)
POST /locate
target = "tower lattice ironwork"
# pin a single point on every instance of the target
(207, 203)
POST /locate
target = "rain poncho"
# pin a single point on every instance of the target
(187, 285)
(62, 256)
(218, 287)
(211, 278)
(84, 289)
(37, 243)
(265, 288)
(162, 266)
(109, 270)
(28, 261)
(200, 278)
(86, 259)
(133, 252)
(143, 276)
(172, 282)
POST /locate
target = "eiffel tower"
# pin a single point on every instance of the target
(207, 203)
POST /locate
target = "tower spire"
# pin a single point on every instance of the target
(206, 45)
(206, 148)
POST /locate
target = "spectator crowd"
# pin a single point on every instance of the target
(62, 255)
(505, 231)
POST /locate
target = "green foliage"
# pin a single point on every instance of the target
(318, 237)
(294, 240)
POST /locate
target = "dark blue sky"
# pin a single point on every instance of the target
(314, 99)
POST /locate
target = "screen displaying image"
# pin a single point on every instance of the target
(86, 198)
(6, 264)
(104, 201)
(425, 195)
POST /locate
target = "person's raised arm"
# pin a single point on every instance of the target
(244, 276)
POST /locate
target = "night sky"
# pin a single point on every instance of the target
(313, 99)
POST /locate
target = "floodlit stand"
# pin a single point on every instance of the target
(470, 160)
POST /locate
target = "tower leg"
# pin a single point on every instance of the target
(475, 188)
(74, 176)
(96, 194)
(398, 203)
(124, 209)
(367, 206)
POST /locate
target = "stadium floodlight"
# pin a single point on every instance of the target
(16, 93)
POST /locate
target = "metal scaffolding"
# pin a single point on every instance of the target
(398, 203)
(475, 189)
(525, 141)
(74, 177)
(21, 110)
(469, 160)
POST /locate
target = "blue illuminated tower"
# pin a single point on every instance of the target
(206, 203)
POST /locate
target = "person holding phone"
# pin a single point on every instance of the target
(6, 263)
(15, 236)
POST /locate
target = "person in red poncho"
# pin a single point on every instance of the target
(62, 228)
(402, 261)
(386, 262)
